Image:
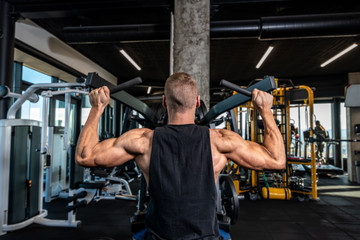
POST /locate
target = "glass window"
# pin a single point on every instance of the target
(299, 116)
(31, 110)
(33, 76)
(322, 113)
(85, 109)
(59, 113)
(60, 118)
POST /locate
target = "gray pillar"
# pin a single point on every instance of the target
(353, 117)
(7, 35)
(336, 127)
(192, 42)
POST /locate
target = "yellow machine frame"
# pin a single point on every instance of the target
(309, 102)
(279, 100)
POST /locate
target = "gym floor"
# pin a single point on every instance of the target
(335, 216)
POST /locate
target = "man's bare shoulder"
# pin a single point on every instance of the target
(224, 140)
(137, 137)
(221, 133)
(141, 132)
(137, 141)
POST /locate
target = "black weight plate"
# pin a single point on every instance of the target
(229, 198)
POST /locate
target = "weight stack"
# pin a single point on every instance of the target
(20, 166)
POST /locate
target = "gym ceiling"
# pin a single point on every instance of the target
(304, 36)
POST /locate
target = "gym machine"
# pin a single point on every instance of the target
(275, 184)
(25, 149)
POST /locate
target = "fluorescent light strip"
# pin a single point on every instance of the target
(130, 59)
(148, 90)
(339, 54)
(266, 54)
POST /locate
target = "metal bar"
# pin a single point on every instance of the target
(67, 120)
(95, 81)
(5, 92)
(43, 148)
(267, 84)
(135, 104)
(32, 89)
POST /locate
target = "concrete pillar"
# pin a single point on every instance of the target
(7, 36)
(353, 117)
(192, 42)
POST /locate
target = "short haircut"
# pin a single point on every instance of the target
(181, 91)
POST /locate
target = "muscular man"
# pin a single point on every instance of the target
(181, 162)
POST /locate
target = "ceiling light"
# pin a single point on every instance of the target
(266, 54)
(130, 59)
(148, 90)
(339, 54)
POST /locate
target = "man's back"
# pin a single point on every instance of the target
(181, 171)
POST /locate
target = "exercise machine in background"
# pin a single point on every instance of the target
(25, 150)
(280, 184)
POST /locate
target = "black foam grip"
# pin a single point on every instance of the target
(235, 87)
(125, 85)
(95, 81)
(3, 91)
(81, 194)
(75, 206)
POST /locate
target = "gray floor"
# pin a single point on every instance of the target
(335, 216)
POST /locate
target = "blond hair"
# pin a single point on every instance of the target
(181, 91)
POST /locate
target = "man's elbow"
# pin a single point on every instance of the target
(280, 163)
(80, 161)
(84, 161)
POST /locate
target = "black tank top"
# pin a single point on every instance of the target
(181, 184)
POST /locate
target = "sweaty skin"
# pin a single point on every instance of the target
(137, 144)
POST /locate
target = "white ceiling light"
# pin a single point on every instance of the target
(266, 54)
(130, 59)
(339, 54)
(148, 90)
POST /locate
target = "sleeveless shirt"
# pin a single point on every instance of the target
(181, 184)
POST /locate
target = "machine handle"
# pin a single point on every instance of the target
(235, 87)
(93, 80)
(81, 194)
(125, 85)
(75, 206)
(3, 91)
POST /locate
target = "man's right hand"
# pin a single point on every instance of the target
(261, 100)
(100, 97)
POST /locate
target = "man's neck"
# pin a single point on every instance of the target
(181, 118)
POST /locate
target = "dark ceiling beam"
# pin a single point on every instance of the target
(287, 27)
(116, 33)
(265, 28)
(39, 9)
(232, 2)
